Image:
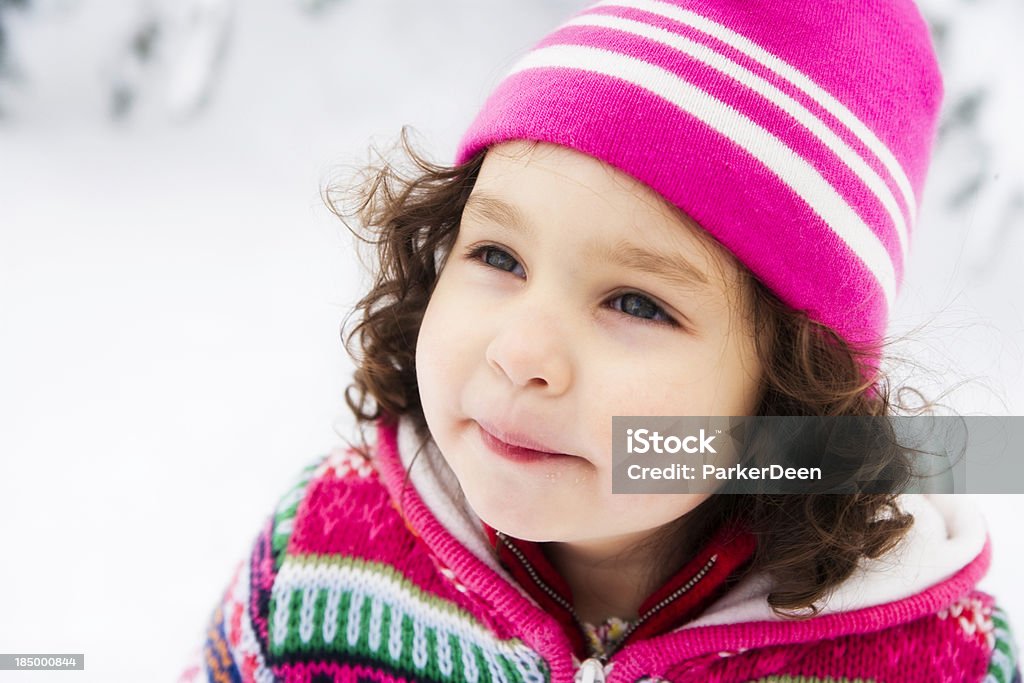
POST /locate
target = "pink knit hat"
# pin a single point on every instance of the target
(796, 133)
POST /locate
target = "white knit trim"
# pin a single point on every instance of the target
(787, 71)
(382, 587)
(821, 130)
(365, 583)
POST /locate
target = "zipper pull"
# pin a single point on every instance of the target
(590, 671)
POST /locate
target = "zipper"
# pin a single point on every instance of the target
(661, 605)
(595, 669)
(536, 579)
(592, 669)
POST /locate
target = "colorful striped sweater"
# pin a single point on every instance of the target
(363, 574)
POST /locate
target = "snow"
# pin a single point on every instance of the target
(172, 288)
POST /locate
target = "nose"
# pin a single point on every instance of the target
(532, 353)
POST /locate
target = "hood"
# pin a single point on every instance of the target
(939, 561)
(947, 535)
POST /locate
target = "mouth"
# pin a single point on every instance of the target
(522, 450)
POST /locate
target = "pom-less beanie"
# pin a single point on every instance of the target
(796, 133)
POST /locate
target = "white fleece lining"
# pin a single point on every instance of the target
(948, 532)
(460, 523)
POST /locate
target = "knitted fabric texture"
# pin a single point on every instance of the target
(354, 579)
(796, 133)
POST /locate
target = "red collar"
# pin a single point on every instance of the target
(681, 599)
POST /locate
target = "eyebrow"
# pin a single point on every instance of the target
(498, 211)
(674, 269)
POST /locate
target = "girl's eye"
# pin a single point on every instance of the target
(639, 306)
(632, 304)
(496, 258)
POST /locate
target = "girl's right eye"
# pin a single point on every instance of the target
(496, 258)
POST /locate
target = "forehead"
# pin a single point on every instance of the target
(539, 171)
(532, 186)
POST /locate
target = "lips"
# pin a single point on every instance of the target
(515, 446)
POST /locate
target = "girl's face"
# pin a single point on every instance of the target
(574, 293)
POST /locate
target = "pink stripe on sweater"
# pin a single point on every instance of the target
(380, 534)
(303, 672)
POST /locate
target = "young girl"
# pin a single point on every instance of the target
(666, 208)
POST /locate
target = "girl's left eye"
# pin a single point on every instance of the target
(632, 304)
(640, 306)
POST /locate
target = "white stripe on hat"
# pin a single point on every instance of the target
(801, 177)
(771, 93)
(788, 72)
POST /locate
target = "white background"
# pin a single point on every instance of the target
(172, 289)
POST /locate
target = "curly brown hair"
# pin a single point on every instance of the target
(808, 543)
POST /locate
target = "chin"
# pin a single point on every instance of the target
(528, 525)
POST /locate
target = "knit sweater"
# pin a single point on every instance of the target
(365, 574)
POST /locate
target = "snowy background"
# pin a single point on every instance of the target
(171, 286)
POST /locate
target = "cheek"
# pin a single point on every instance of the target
(653, 383)
(443, 343)
(449, 308)
(690, 381)
(430, 356)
